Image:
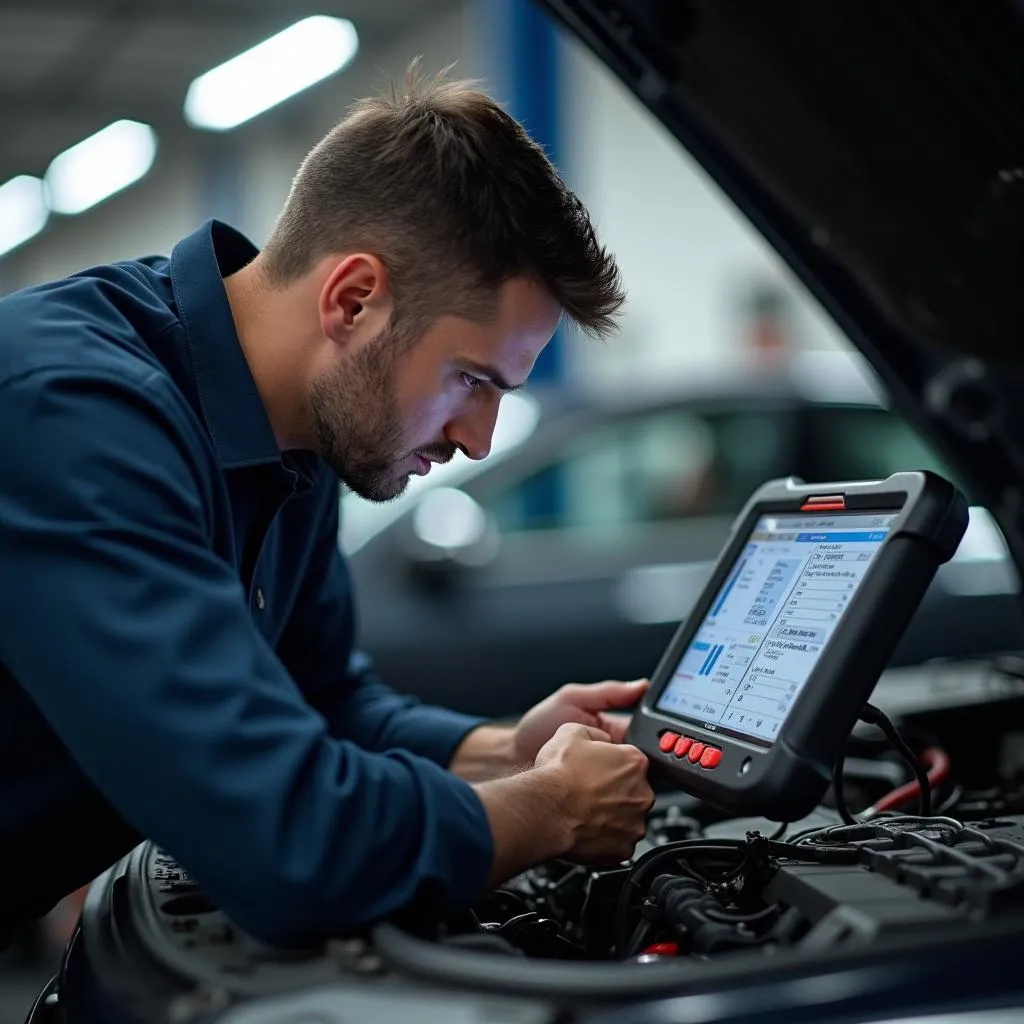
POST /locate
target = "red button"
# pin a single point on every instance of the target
(710, 757)
(683, 745)
(668, 741)
(695, 751)
(663, 949)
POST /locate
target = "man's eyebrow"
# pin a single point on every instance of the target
(491, 374)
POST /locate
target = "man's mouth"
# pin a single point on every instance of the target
(437, 454)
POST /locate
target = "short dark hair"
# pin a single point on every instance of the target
(455, 198)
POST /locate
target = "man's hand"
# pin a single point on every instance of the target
(607, 795)
(492, 751)
(586, 798)
(588, 705)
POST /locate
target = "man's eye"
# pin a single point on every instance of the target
(471, 382)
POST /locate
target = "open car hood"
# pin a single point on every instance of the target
(879, 147)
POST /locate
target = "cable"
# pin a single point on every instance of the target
(996, 842)
(812, 854)
(937, 764)
(837, 791)
(925, 822)
(952, 800)
(965, 859)
(645, 864)
(557, 980)
(975, 833)
(648, 862)
(873, 716)
(807, 833)
(870, 829)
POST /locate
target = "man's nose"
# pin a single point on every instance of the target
(472, 432)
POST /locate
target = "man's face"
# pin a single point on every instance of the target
(394, 406)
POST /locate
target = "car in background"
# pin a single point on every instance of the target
(573, 551)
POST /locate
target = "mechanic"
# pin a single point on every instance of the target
(176, 624)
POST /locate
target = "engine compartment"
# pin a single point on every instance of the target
(705, 897)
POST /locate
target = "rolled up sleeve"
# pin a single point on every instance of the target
(134, 640)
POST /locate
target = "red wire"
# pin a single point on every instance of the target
(936, 763)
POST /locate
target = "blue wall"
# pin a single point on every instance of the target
(518, 50)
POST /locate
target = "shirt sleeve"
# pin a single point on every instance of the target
(317, 648)
(134, 640)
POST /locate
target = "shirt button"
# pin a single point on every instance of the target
(260, 599)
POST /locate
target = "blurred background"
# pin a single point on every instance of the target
(698, 276)
(573, 552)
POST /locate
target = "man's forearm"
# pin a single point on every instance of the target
(526, 820)
(487, 752)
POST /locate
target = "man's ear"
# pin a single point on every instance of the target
(356, 303)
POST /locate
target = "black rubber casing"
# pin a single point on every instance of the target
(786, 780)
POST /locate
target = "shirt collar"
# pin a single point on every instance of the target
(231, 404)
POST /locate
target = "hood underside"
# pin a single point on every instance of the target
(879, 147)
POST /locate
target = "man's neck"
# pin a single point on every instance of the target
(265, 320)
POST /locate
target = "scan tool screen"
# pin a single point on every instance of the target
(771, 619)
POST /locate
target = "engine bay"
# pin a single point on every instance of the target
(706, 897)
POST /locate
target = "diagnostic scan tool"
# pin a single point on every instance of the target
(752, 703)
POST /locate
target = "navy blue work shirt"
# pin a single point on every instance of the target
(176, 627)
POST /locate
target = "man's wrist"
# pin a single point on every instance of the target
(488, 752)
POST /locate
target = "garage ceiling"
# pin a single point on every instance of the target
(69, 67)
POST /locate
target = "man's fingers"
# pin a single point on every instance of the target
(615, 725)
(592, 732)
(600, 696)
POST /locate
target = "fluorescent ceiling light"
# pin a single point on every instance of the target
(23, 212)
(271, 72)
(97, 167)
